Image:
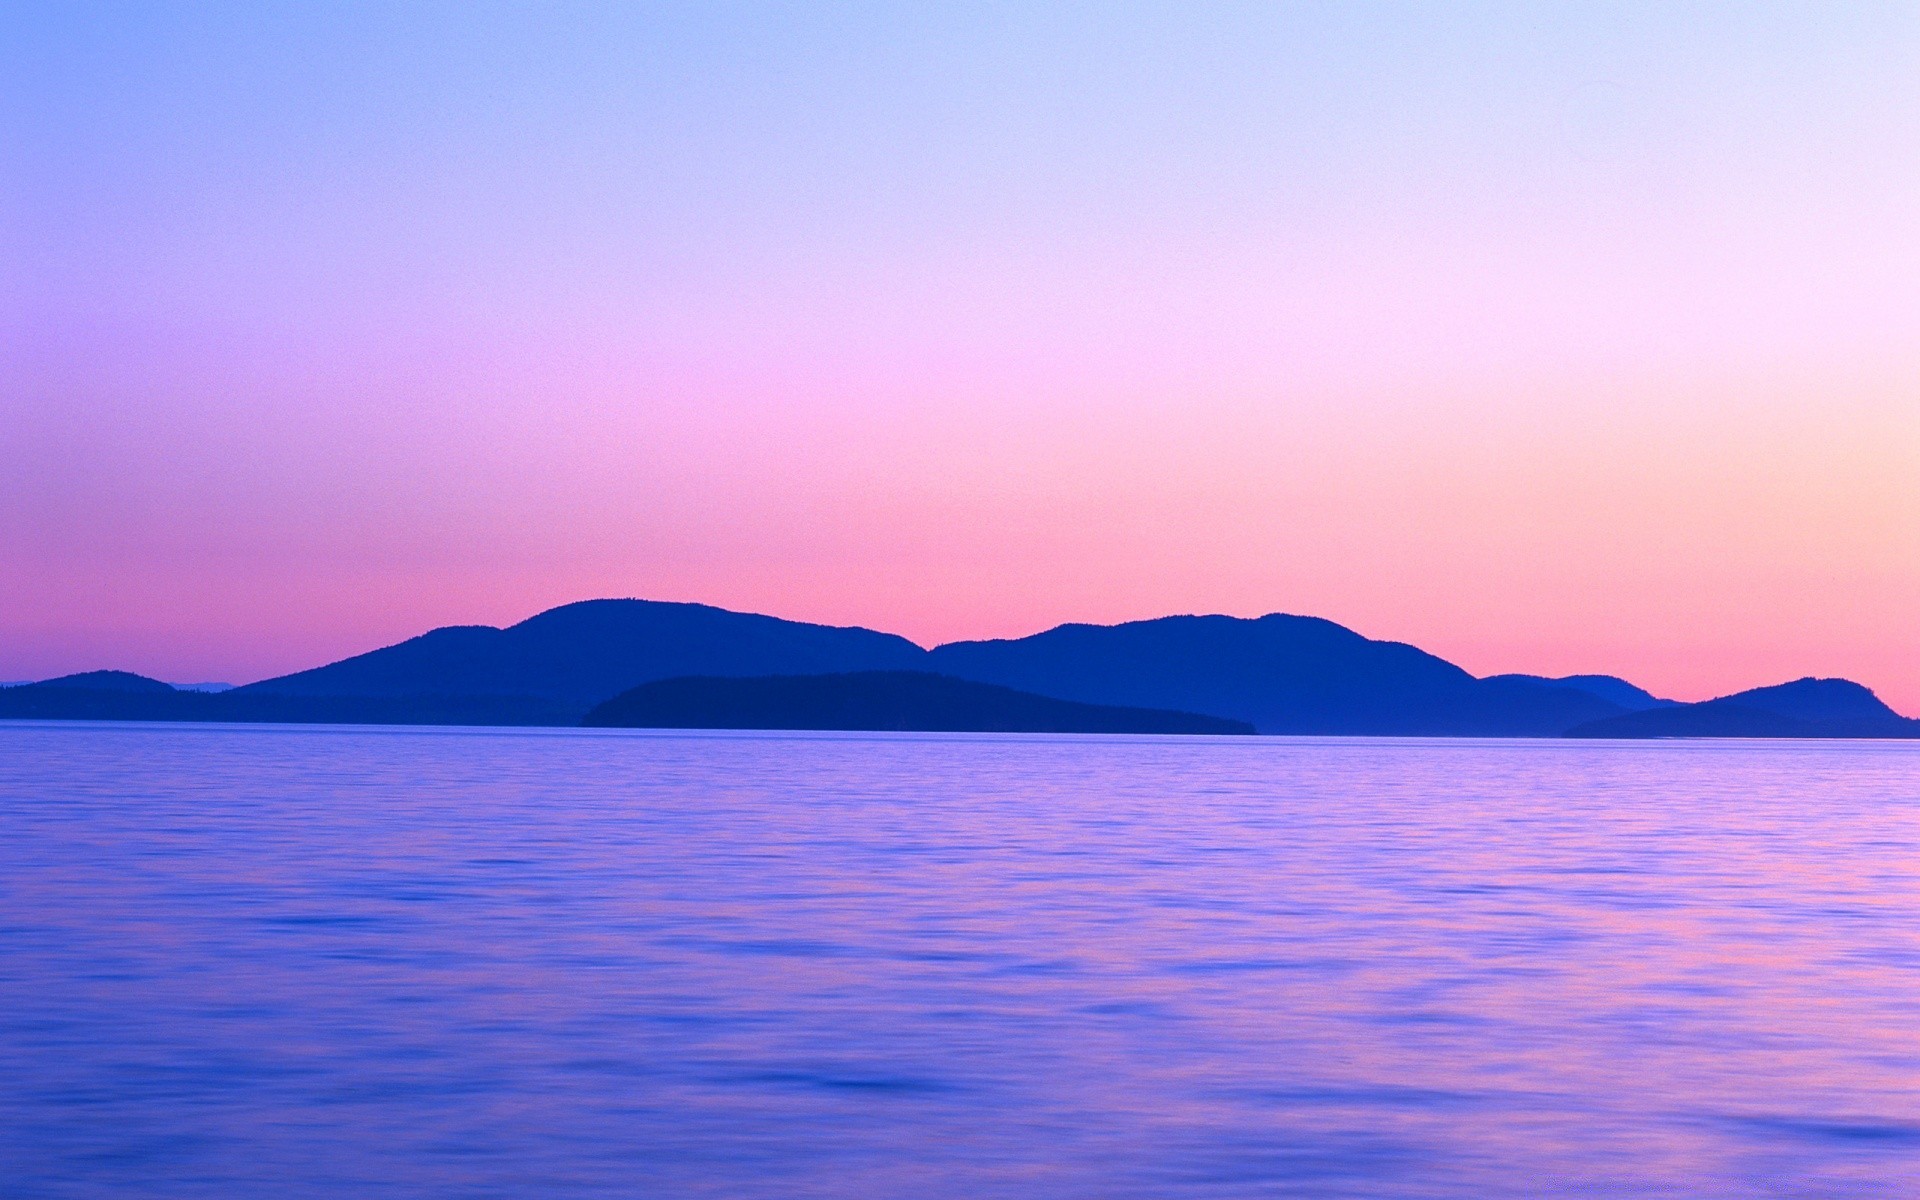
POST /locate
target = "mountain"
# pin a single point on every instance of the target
(1280, 673)
(577, 655)
(106, 681)
(1610, 688)
(88, 696)
(879, 700)
(1818, 700)
(1805, 708)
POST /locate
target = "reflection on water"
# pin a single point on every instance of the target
(373, 963)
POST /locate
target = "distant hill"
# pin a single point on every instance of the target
(1281, 673)
(1805, 708)
(577, 655)
(1818, 700)
(1610, 688)
(906, 701)
(90, 696)
(136, 698)
(106, 681)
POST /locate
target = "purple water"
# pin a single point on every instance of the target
(304, 962)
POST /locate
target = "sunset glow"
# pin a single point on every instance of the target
(1549, 344)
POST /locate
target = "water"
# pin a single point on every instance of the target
(291, 962)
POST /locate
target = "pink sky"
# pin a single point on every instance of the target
(1548, 346)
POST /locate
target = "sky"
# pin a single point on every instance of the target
(1547, 337)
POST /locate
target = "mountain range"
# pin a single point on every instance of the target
(1278, 674)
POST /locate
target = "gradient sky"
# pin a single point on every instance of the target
(1548, 337)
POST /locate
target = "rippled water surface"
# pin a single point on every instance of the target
(290, 962)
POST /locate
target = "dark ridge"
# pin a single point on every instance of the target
(41, 702)
(903, 701)
(1280, 673)
(1817, 700)
(579, 654)
(106, 681)
(1805, 708)
(1610, 688)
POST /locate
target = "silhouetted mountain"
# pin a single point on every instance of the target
(577, 655)
(1283, 674)
(1817, 700)
(89, 695)
(1610, 688)
(879, 700)
(106, 681)
(1805, 708)
(1279, 673)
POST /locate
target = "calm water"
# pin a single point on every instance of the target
(282, 962)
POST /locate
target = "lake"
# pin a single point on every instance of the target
(306, 961)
